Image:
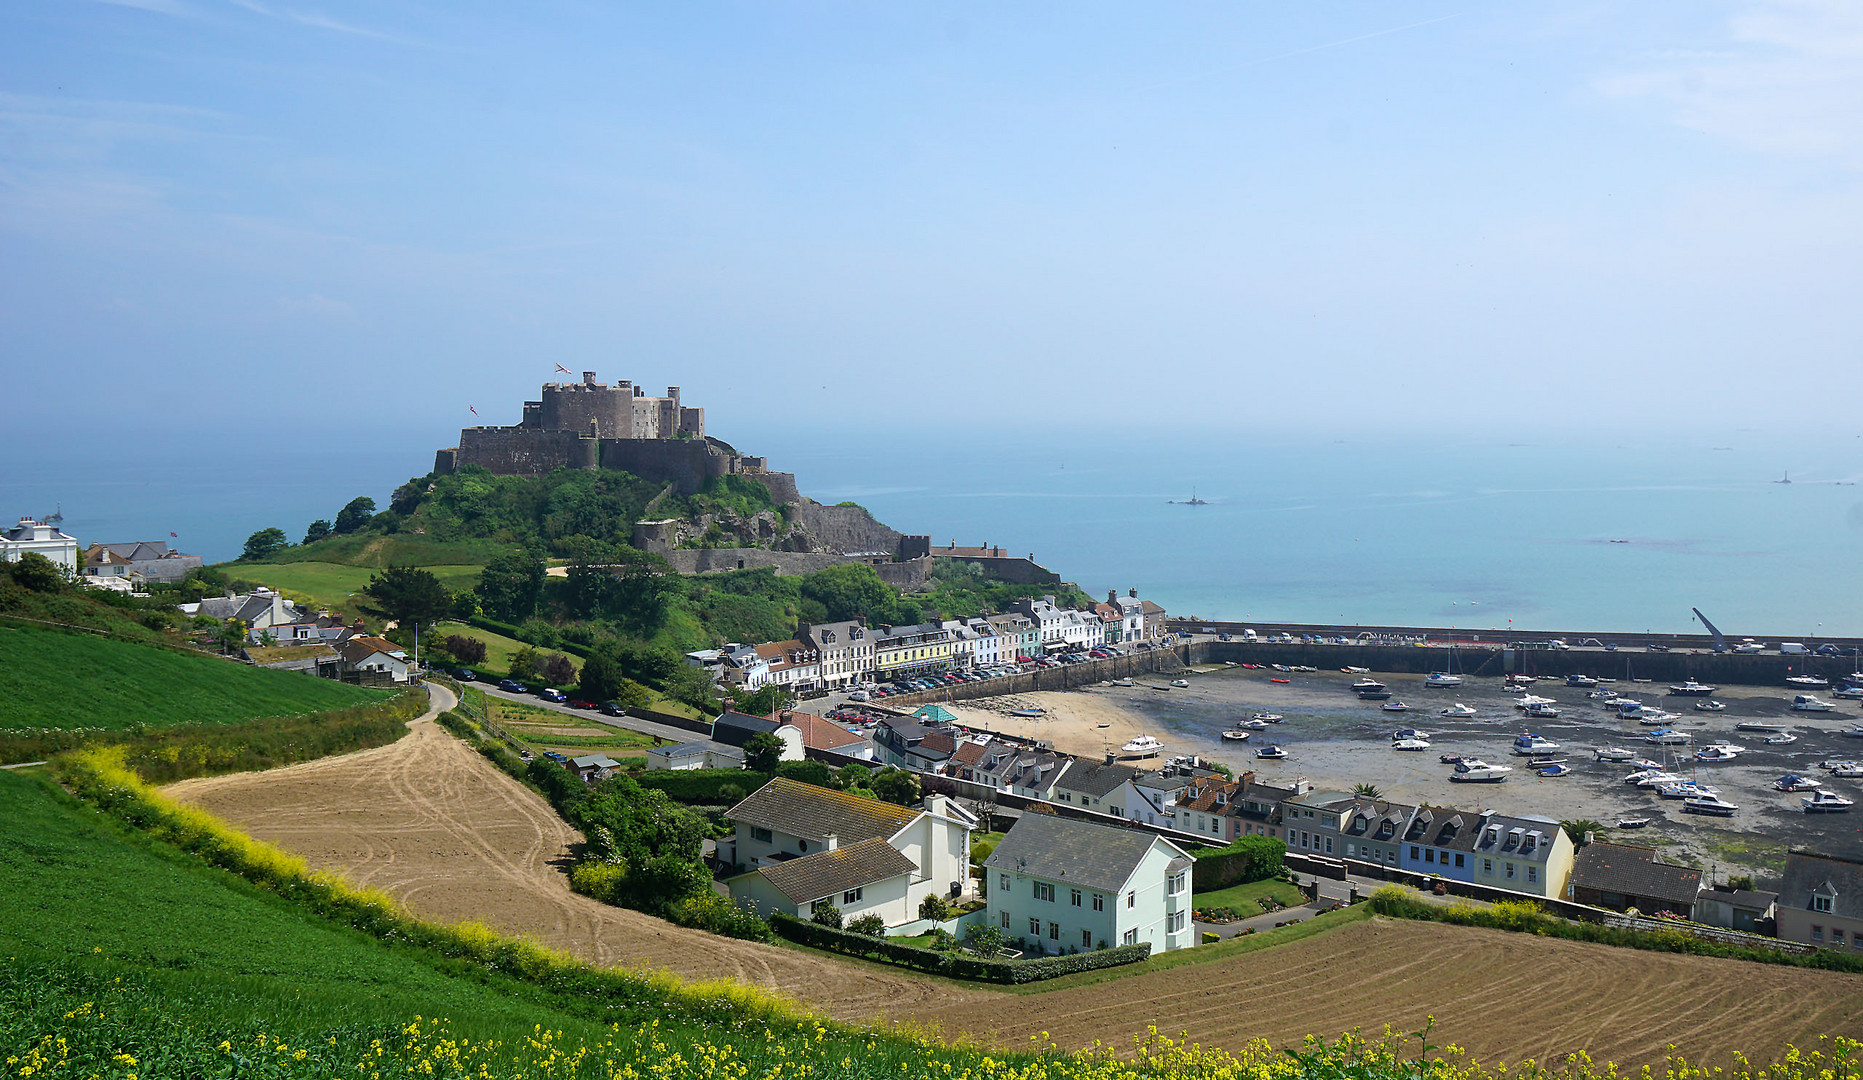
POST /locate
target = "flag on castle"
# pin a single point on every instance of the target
(474, 412)
(562, 369)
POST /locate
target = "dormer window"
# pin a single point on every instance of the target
(1822, 902)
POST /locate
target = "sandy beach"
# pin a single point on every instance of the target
(1088, 723)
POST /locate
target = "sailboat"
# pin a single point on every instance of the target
(1446, 678)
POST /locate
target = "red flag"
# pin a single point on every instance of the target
(475, 412)
(176, 535)
(562, 369)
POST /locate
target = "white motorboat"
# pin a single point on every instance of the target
(1531, 745)
(1268, 717)
(1629, 709)
(1666, 737)
(1394, 706)
(1810, 703)
(1236, 734)
(1849, 693)
(1633, 823)
(1411, 744)
(1654, 717)
(1719, 752)
(1558, 768)
(1711, 805)
(1252, 724)
(1143, 746)
(1763, 728)
(1122, 682)
(1618, 701)
(1585, 681)
(1516, 681)
(1531, 700)
(1810, 682)
(1659, 778)
(1541, 711)
(1281, 668)
(1612, 753)
(1362, 685)
(1477, 771)
(1644, 763)
(1685, 789)
(1408, 733)
(1827, 802)
(1179, 683)
(1350, 670)
(1272, 753)
(1691, 688)
(1849, 771)
(1709, 706)
(1458, 709)
(1441, 680)
(1795, 782)
(1784, 738)
(1833, 764)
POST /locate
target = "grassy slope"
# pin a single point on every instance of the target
(331, 585)
(70, 681)
(1243, 897)
(498, 648)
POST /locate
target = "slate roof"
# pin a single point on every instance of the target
(1634, 871)
(1097, 779)
(1076, 852)
(1807, 872)
(830, 873)
(702, 746)
(969, 754)
(735, 728)
(806, 810)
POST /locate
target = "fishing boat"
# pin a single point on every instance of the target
(1458, 709)
(1633, 823)
(1613, 753)
(1810, 682)
(1531, 745)
(1179, 683)
(1784, 738)
(1477, 771)
(1394, 706)
(1030, 712)
(1709, 705)
(1143, 746)
(1272, 753)
(1795, 782)
(1411, 744)
(1584, 681)
(1268, 717)
(1540, 710)
(1711, 805)
(1691, 688)
(1827, 802)
(1810, 703)
(1555, 770)
(1236, 734)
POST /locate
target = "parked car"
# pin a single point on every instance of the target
(579, 703)
(512, 686)
(613, 708)
(464, 674)
(859, 695)
(552, 694)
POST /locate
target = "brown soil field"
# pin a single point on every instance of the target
(431, 822)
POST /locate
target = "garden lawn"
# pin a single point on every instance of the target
(1244, 898)
(68, 682)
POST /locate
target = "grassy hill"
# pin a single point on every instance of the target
(75, 682)
(334, 585)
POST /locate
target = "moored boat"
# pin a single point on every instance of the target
(1811, 682)
(1759, 726)
(1711, 805)
(1531, 745)
(1143, 746)
(1612, 753)
(1477, 771)
(1666, 737)
(1441, 680)
(1268, 717)
(1555, 770)
(1584, 681)
(1458, 709)
(1795, 782)
(1633, 823)
(1236, 734)
(1411, 744)
(1810, 703)
(1827, 802)
(1272, 753)
(1709, 705)
(1025, 713)
(1691, 688)
(1179, 683)
(1540, 710)
(1784, 738)
(1394, 706)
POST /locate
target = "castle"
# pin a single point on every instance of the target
(591, 425)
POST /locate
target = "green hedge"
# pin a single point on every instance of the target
(700, 786)
(1529, 918)
(953, 964)
(1250, 858)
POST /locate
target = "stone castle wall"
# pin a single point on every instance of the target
(905, 576)
(846, 529)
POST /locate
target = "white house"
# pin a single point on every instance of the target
(803, 846)
(792, 664)
(1099, 787)
(42, 539)
(1082, 629)
(703, 754)
(1059, 886)
(844, 648)
(367, 653)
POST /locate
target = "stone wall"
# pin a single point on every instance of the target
(1014, 571)
(515, 451)
(845, 529)
(1143, 663)
(905, 576)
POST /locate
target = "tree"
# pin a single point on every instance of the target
(762, 752)
(559, 669)
(851, 775)
(36, 572)
(985, 940)
(1369, 791)
(766, 701)
(845, 592)
(808, 772)
(355, 515)
(511, 586)
(464, 649)
(826, 914)
(1578, 827)
(934, 909)
(317, 531)
(601, 678)
(896, 786)
(264, 544)
(692, 685)
(868, 926)
(524, 665)
(406, 595)
(232, 635)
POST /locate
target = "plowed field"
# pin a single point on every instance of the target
(436, 825)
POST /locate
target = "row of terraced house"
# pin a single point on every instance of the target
(838, 654)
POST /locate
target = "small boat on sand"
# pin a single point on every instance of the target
(1709, 705)
(1411, 744)
(1030, 712)
(1179, 683)
(1236, 734)
(1458, 709)
(1122, 682)
(1711, 805)
(1633, 823)
(1827, 802)
(1555, 770)
(1268, 717)
(1394, 706)
(1272, 753)
(1784, 738)
(1143, 746)
(1280, 680)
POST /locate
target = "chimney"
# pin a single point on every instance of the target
(830, 842)
(934, 805)
(1133, 593)
(588, 378)
(1112, 596)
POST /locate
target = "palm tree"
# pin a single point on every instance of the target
(1369, 791)
(1578, 827)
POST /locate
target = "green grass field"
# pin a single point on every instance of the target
(334, 585)
(69, 682)
(498, 648)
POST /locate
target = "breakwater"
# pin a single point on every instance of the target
(1146, 662)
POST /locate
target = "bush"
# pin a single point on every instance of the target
(602, 881)
(464, 649)
(701, 787)
(868, 926)
(934, 909)
(1249, 858)
(708, 911)
(826, 915)
(954, 965)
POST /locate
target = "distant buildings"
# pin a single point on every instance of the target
(143, 560)
(40, 538)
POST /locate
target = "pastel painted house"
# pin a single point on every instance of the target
(802, 846)
(1058, 886)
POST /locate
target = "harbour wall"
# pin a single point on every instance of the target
(1146, 662)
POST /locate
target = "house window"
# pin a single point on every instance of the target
(1086, 939)
(1174, 922)
(1837, 937)
(1177, 883)
(1035, 927)
(1076, 897)
(1821, 903)
(1510, 870)
(760, 835)
(1817, 932)
(1054, 931)
(1005, 920)
(1429, 854)
(1329, 845)
(1132, 899)
(1044, 891)
(1533, 873)
(852, 896)
(1351, 850)
(1487, 867)
(1003, 881)
(1130, 938)
(1413, 852)
(1099, 902)
(1458, 859)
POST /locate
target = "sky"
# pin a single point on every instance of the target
(230, 221)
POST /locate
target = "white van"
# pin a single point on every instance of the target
(1793, 647)
(1249, 635)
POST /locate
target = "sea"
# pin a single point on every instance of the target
(1575, 532)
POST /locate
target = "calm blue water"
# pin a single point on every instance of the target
(1460, 532)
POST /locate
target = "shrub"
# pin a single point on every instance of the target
(602, 881)
(934, 909)
(955, 965)
(708, 911)
(466, 650)
(1249, 858)
(868, 926)
(826, 915)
